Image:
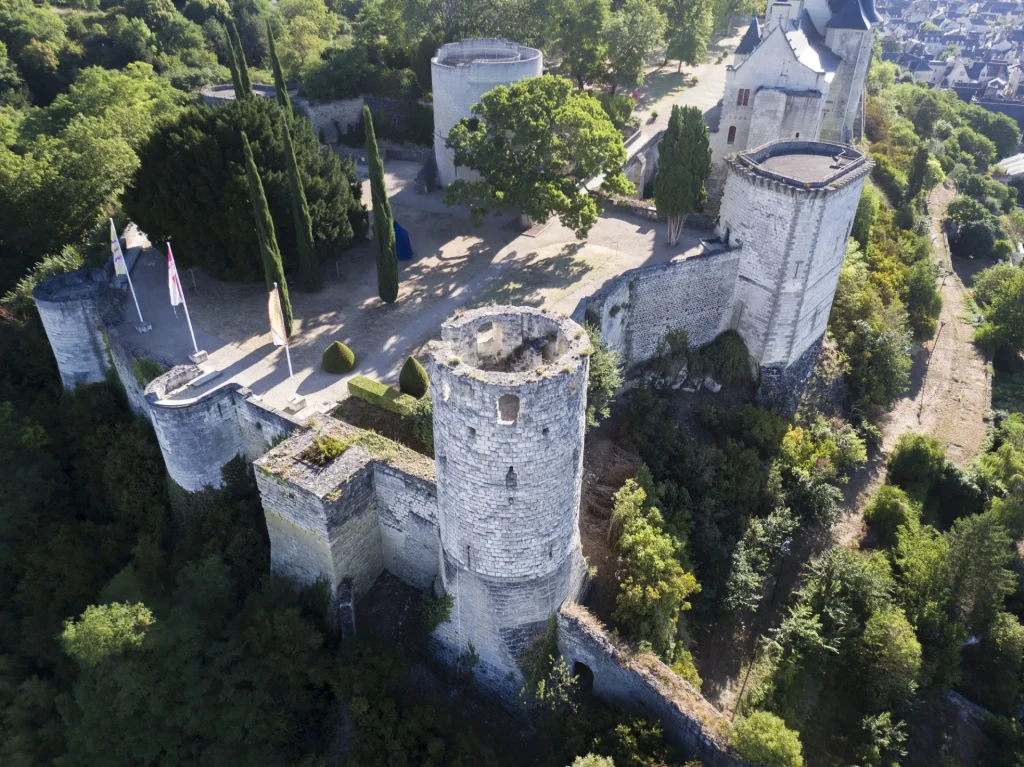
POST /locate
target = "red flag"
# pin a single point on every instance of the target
(173, 283)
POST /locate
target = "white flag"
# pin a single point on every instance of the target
(173, 283)
(115, 248)
(277, 327)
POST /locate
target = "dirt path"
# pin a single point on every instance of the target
(949, 393)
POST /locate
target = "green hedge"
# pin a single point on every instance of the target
(381, 395)
(338, 359)
(413, 379)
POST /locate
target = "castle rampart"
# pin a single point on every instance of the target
(72, 307)
(199, 435)
(645, 685)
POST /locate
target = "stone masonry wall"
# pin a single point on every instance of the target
(323, 116)
(638, 308)
(644, 685)
(71, 308)
(407, 511)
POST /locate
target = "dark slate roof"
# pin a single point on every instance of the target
(850, 16)
(751, 39)
(974, 69)
(809, 46)
(966, 92)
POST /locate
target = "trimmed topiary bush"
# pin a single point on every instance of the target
(413, 379)
(338, 358)
(381, 395)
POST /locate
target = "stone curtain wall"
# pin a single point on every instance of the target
(407, 510)
(323, 116)
(637, 309)
(646, 686)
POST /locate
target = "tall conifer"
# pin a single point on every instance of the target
(236, 80)
(275, 64)
(243, 67)
(684, 162)
(272, 267)
(309, 266)
(383, 223)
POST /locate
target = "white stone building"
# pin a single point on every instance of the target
(799, 74)
(460, 74)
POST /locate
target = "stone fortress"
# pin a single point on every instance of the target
(493, 520)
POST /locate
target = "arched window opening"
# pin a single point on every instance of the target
(732, 135)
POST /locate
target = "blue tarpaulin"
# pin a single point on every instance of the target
(403, 245)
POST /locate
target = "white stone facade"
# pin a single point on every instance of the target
(70, 307)
(799, 74)
(509, 386)
(460, 74)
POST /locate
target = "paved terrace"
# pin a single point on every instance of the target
(456, 265)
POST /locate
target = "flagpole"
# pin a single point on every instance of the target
(189, 321)
(287, 352)
(127, 274)
(181, 294)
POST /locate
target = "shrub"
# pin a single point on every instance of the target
(323, 449)
(888, 510)
(435, 610)
(605, 378)
(146, 370)
(413, 379)
(381, 395)
(916, 464)
(423, 424)
(338, 359)
(764, 739)
(726, 359)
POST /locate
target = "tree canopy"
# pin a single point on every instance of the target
(684, 162)
(191, 186)
(536, 144)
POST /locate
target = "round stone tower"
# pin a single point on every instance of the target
(460, 74)
(71, 307)
(509, 386)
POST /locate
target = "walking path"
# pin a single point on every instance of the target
(949, 393)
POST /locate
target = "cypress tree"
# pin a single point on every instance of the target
(243, 67)
(236, 80)
(383, 224)
(309, 266)
(272, 268)
(684, 162)
(275, 64)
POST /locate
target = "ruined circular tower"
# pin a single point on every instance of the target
(460, 74)
(71, 308)
(509, 387)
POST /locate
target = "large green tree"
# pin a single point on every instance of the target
(1000, 290)
(273, 269)
(536, 144)
(684, 162)
(243, 67)
(581, 29)
(383, 224)
(191, 186)
(634, 31)
(690, 23)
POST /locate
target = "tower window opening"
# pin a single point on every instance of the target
(508, 408)
(511, 481)
(732, 135)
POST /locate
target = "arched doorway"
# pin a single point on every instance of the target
(584, 678)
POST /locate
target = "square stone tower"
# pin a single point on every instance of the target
(789, 206)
